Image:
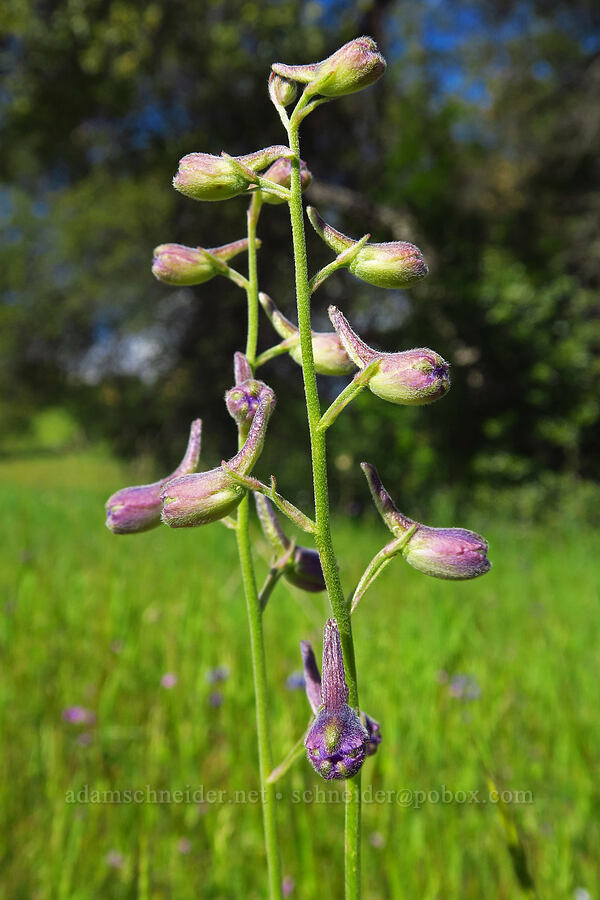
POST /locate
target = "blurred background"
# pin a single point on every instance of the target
(480, 144)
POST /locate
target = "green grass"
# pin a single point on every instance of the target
(93, 619)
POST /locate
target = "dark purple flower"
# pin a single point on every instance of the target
(337, 739)
(302, 567)
(216, 699)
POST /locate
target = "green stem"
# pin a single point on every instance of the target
(358, 384)
(259, 673)
(319, 464)
(283, 347)
(252, 289)
(259, 669)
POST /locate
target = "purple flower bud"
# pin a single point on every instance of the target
(450, 553)
(353, 67)
(303, 568)
(180, 265)
(410, 378)
(205, 177)
(312, 677)
(242, 400)
(395, 265)
(337, 739)
(135, 509)
(281, 173)
(285, 90)
(328, 352)
(207, 496)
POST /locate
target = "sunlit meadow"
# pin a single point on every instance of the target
(125, 667)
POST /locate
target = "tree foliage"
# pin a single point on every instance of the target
(480, 144)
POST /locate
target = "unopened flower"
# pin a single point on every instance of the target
(396, 264)
(329, 355)
(337, 739)
(138, 508)
(450, 553)
(242, 400)
(285, 91)
(410, 377)
(353, 67)
(169, 680)
(281, 173)
(202, 176)
(180, 265)
(303, 566)
(208, 496)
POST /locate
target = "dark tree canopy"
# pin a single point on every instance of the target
(480, 144)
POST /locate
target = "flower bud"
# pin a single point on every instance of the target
(242, 400)
(285, 90)
(135, 509)
(281, 173)
(180, 265)
(303, 568)
(409, 378)
(205, 177)
(207, 496)
(396, 264)
(337, 739)
(353, 67)
(450, 553)
(329, 355)
(374, 732)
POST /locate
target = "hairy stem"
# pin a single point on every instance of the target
(253, 605)
(319, 464)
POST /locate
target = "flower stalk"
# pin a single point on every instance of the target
(323, 536)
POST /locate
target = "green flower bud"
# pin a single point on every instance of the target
(455, 554)
(353, 67)
(409, 378)
(180, 265)
(285, 91)
(395, 265)
(205, 177)
(281, 173)
(207, 496)
(328, 352)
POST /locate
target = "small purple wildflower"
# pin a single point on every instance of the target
(114, 859)
(216, 699)
(184, 845)
(84, 739)
(377, 840)
(295, 682)
(464, 687)
(288, 886)
(78, 715)
(169, 680)
(218, 674)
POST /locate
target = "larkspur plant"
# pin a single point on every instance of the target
(339, 737)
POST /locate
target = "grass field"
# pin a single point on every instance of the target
(96, 621)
